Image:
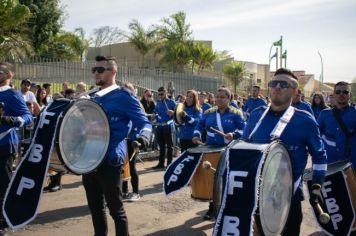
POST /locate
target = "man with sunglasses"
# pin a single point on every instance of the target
(338, 126)
(164, 114)
(102, 187)
(298, 131)
(13, 113)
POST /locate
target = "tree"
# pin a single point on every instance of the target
(175, 34)
(202, 56)
(106, 35)
(45, 23)
(235, 72)
(14, 46)
(143, 40)
(353, 89)
(83, 46)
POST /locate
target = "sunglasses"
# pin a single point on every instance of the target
(282, 84)
(342, 91)
(100, 69)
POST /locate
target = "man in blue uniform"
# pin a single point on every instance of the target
(227, 120)
(164, 114)
(338, 126)
(103, 185)
(254, 101)
(298, 130)
(13, 113)
(297, 102)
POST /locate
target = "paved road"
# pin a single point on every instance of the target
(66, 213)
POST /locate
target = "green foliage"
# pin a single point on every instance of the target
(45, 23)
(202, 56)
(14, 46)
(143, 40)
(235, 72)
(353, 89)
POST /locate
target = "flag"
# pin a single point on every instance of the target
(278, 43)
(275, 55)
(284, 55)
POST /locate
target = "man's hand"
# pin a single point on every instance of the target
(229, 136)
(140, 143)
(9, 120)
(135, 144)
(196, 140)
(170, 112)
(315, 195)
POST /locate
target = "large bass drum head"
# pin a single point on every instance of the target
(83, 136)
(276, 189)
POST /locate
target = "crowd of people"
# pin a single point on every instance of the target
(324, 131)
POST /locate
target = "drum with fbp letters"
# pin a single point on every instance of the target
(82, 137)
(339, 198)
(260, 192)
(203, 179)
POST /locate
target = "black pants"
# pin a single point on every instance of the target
(165, 139)
(133, 171)
(100, 184)
(6, 162)
(295, 217)
(186, 144)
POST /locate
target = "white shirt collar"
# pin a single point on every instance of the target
(4, 88)
(107, 90)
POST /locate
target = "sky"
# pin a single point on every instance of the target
(245, 28)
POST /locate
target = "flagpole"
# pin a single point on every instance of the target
(281, 59)
(285, 59)
(276, 58)
(322, 71)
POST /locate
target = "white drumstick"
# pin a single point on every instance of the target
(218, 131)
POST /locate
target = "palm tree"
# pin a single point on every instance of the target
(83, 44)
(143, 40)
(202, 56)
(175, 34)
(14, 45)
(235, 72)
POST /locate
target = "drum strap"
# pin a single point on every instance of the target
(280, 126)
(348, 134)
(220, 127)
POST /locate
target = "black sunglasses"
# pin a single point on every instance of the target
(99, 69)
(282, 84)
(342, 91)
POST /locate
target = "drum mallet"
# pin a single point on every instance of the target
(207, 166)
(218, 131)
(323, 217)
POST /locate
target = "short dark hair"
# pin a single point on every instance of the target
(46, 85)
(105, 58)
(256, 86)
(26, 81)
(285, 71)
(342, 83)
(161, 89)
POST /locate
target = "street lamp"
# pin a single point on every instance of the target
(322, 71)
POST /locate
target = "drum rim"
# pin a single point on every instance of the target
(214, 148)
(268, 149)
(308, 173)
(58, 134)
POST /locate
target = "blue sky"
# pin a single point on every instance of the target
(246, 28)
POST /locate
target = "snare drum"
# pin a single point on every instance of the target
(202, 182)
(82, 137)
(339, 191)
(275, 186)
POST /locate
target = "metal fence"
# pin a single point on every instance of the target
(56, 72)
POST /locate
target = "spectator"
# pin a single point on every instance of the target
(49, 97)
(28, 96)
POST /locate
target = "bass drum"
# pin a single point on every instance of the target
(82, 139)
(275, 186)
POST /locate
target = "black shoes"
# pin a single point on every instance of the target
(54, 183)
(158, 167)
(209, 215)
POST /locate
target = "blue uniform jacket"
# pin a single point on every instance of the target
(205, 106)
(303, 106)
(192, 118)
(121, 107)
(301, 136)
(316, 111)
(14, 106)
(333, 136)
(231, 121)
(253, 103)
(164, 120)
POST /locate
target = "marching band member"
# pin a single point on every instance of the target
(164, 114)
(300, 134)
(254, 101)
(204, 105)
(13, 113)
(301, 105)
(192, 115)
(338, 126)
(223, 118)
(103, 185)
